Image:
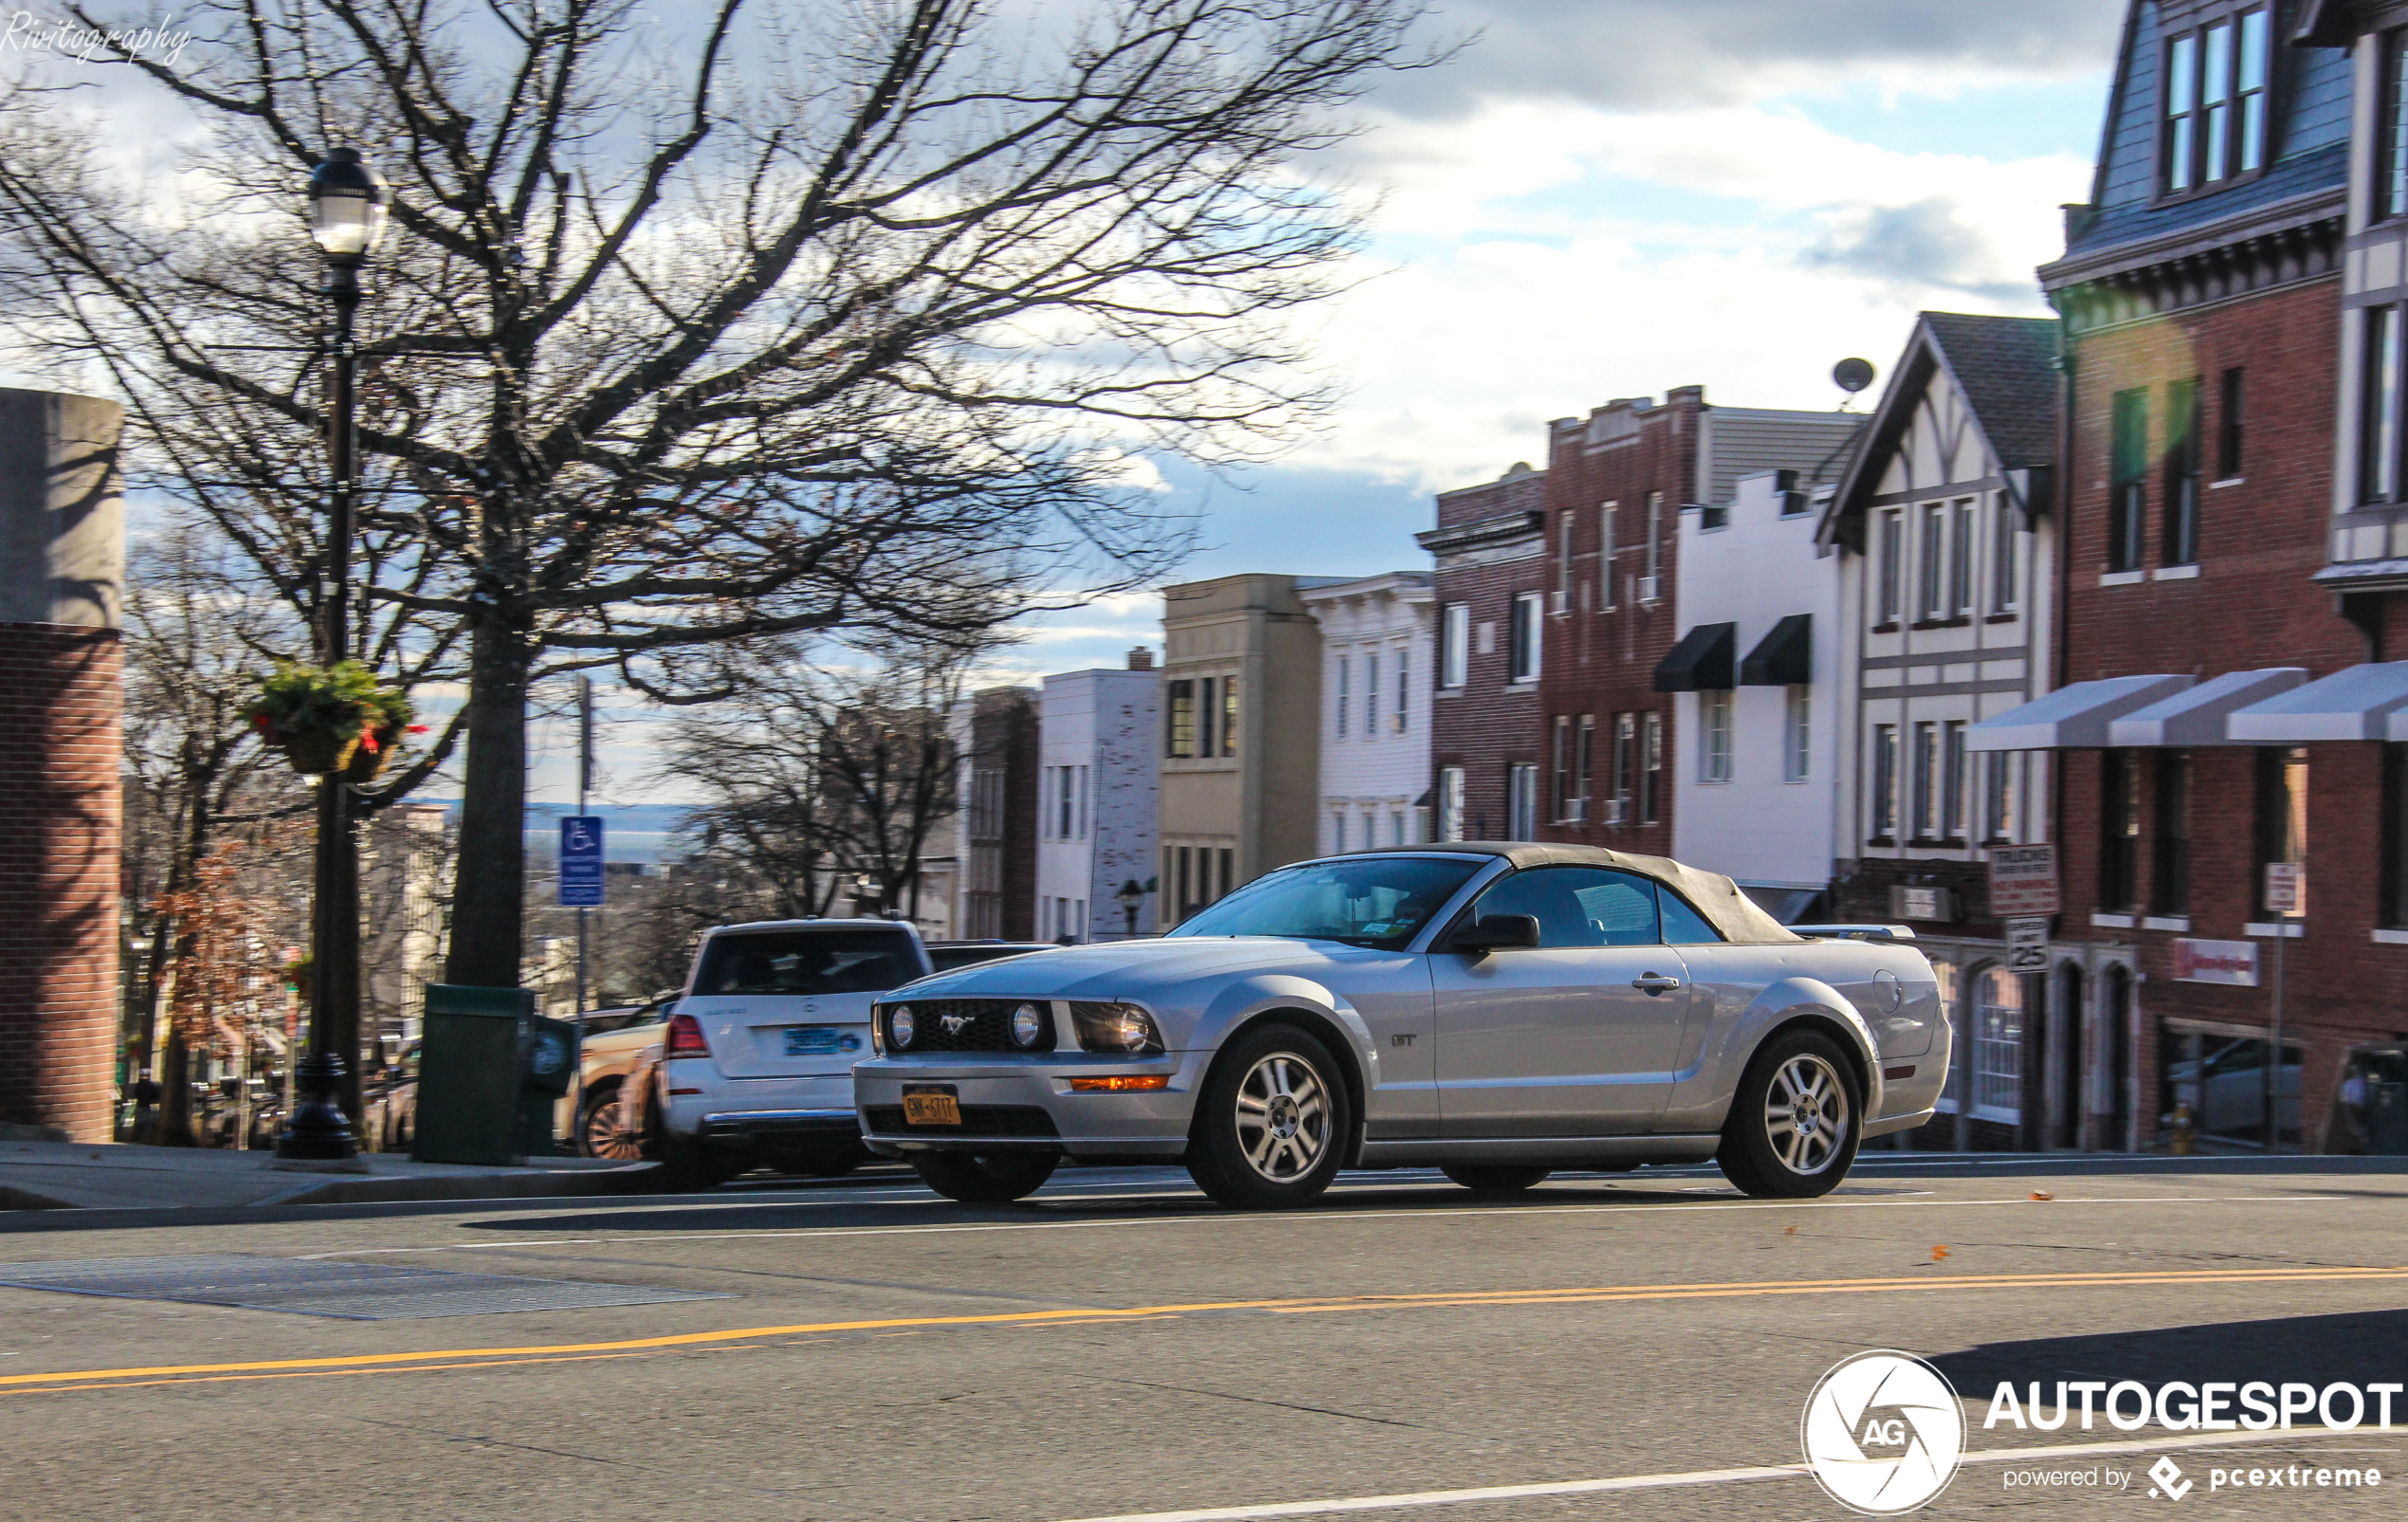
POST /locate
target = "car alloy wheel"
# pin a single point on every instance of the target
(1806, 1114)
(605, 1134)
(1283, 1117)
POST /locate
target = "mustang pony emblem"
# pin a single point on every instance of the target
(952, 1023)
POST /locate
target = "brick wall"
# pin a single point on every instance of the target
(2252, 604)
(1486, 727)
(61, 709)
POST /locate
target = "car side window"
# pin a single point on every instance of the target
(1578, 906)
(1683, 925)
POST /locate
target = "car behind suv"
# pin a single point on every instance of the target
(755, 1066)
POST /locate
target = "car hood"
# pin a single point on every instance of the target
(1137, 969)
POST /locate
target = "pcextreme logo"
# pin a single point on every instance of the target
(1883, 1433)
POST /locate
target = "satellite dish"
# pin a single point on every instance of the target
(1852, 376)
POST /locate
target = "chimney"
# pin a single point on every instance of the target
(1141, 658)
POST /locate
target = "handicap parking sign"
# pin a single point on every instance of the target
(581, 860)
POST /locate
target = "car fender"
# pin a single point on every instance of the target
(1247, 998)
(1728, 1050)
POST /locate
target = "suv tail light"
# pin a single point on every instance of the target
(685, 1037)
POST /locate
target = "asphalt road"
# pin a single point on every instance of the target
(1118, 1347)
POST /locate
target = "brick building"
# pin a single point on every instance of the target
(996, 732)
(1620, 663)
(2205, 677)
(61, 709)
(1483, 726)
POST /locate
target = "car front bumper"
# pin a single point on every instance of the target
(1026, 1104)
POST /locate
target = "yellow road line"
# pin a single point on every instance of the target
(455, 1357)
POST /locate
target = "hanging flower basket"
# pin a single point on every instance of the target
(330, 719)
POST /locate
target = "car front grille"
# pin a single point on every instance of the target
(976, 1120)
(983, 1025)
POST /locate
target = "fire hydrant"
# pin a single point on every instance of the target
(2183, 1131)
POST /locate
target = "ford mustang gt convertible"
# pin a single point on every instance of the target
(1496, 1011)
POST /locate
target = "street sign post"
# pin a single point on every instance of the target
(2023, 881)
(2286, 898)
(2027, 944)
(581, 860)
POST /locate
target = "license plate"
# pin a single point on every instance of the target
(931, 1107)
(815, 1041)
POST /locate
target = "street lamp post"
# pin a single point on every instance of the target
(348, 203)
(1132, 897)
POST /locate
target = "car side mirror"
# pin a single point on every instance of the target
(1497, 932)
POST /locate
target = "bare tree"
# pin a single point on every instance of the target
(672, 351)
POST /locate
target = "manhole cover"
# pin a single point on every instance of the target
(353, 1291)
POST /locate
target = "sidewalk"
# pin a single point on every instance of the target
(74, 1175)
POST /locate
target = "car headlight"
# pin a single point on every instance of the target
(1122, 1029)
(1028, 1026)
(901, 1026)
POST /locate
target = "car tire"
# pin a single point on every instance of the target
(1495, 1178)
(1766, 1151)
(1273, 1122)
(599, 1134)
(985, 1177)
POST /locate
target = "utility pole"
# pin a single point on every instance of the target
(585, 785)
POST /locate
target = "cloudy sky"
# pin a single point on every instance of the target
(1602, 198)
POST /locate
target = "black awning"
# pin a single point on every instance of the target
(1701, 661)
(1785, 657)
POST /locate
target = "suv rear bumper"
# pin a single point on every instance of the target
(747, 1127)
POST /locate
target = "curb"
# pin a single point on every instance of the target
(638, 1178)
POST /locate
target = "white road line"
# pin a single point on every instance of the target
(1655, 1482)
(1224, 1219)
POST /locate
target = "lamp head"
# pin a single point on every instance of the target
(348, 203)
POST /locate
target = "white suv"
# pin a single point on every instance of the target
(755, 1067)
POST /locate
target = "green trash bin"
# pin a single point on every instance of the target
(469, 1064)
(550, 1063)
(2388, 1119)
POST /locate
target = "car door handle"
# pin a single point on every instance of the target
(1654, 983)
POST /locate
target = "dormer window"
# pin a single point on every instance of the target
(2215, 102)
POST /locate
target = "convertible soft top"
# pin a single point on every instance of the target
(1730, 912)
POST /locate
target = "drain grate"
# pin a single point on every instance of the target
(352, 1292)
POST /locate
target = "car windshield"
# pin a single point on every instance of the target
(1364, 901)
(828, 960)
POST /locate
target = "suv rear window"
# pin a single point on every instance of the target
(807, 962)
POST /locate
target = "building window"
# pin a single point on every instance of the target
(1714, 735)
(1893, 565)
(1654, 586)
(1179, 740)
(1521, 800)
(2128, 490)
(1583, 754)
(1065, 801)
(2231, 419)
(2182, 472)
(2215, 102)
(1523, 638)
(1953, 779)
(1997, 1045)
(2379, 408)
(1560, 756)
(1922, 815)
(1338, 830)
(1884, 810)
(2119, 828)
(2282, 813)
(1797, 733)
(1449, 803)
(1404, 691)
(1933, 589)
(1609, 592)
(2394, 908)
(1228, 716)
(1998, 792)
(1371, 697)
(1207, 717)
(2002, 548)
(1345, 702)
(2170, 888)
(1228, 871)
(2391, 135)
(1564, 560)
(1625, 763)
(1454, 645)
(1961, 560)
(1086, 802)
(1651, 767)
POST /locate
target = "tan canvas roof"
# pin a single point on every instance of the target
(1739, 918)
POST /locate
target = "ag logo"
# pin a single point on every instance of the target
(1883, 1433)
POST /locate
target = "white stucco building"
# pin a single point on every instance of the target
(1376, 649)
(1096, 799)
(1757, 795)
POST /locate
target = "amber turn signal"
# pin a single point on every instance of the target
(1118, 1086)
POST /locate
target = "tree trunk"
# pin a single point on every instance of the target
(487, 906)
(175, 1090)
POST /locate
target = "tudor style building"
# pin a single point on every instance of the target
(1947, 599)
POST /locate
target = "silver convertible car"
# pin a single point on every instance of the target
(1498, 1011)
